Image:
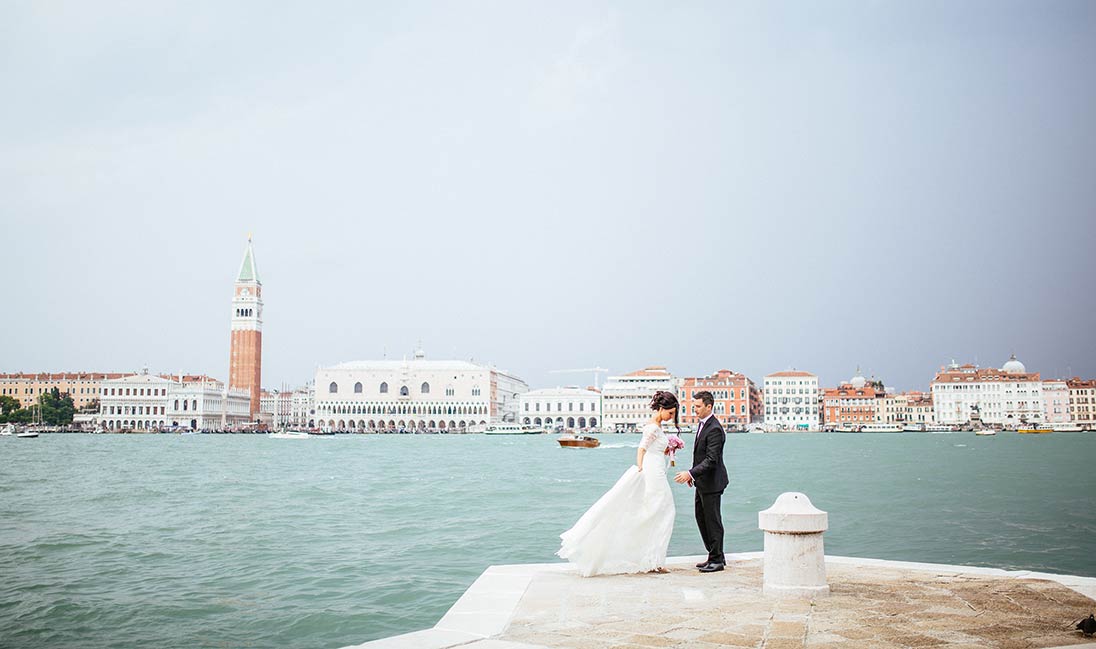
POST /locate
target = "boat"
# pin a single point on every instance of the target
(938, 428)
(913, 428)
(509, 429)
(881, 428)
(27, 433)
(1065, 427)
(288, 434)
(1036, 429)
(579, 441)
(846, 428)
(985, 431)
(8, 430)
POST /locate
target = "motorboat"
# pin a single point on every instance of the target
(846, 428)
(8, 430)
(27, 433)
(288, 434)
(985, 431)
(913, 428)
(579, 441)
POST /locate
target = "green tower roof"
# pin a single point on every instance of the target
(249, 272)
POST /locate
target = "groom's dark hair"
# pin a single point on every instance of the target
(705, 396)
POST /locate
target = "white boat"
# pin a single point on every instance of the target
(937, 428)
(509, 429)
(8, 430)
(913, 428)
(985, 431)
(288, 434)
(1065, 427)
(846, 428)
(881, 428)
(27, 433)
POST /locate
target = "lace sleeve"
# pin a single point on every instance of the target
(650, 432)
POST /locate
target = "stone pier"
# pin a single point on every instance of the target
(872, 603)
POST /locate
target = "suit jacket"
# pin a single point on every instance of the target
(709, 473)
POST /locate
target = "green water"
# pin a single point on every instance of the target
(244, 541)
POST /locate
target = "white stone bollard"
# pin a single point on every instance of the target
(795, 563)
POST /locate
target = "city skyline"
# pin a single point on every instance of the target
(749, 187)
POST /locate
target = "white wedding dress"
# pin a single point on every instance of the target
(628, 529)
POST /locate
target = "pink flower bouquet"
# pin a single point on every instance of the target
(673, 444)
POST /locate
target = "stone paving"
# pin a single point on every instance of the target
(869, 606)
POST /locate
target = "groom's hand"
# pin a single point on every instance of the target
(684, 477)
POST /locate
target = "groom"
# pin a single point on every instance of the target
(709, 476)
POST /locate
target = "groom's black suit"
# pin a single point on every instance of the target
(710, 479)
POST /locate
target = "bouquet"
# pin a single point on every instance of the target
(673, 444)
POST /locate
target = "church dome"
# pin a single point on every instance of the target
(1013, 366)
(858, 381)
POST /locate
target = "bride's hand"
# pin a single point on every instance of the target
(639, 468)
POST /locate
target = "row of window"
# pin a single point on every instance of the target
(333, 388)
(137, 392)
(559, 406)
(245, 313)
(403, 409)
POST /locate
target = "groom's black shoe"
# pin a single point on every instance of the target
(712, 567)
(701, 564)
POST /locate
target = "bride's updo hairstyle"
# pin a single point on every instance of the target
(663, 399)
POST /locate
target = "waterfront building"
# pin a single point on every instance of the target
(855, 402)
(737, 399)
(1009, 396)
(904, 408)
(791, 400)
(1082, 401)
(569, 407)
(417, 394)
(1056, 401)
(83, 387)
(246, 353)
(287, 408)
(147, 402)
(626, 399)
(204, 403)
(137, 402)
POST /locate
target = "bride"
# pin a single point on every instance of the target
(628, 529)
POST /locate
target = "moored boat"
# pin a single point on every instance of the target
(8, 430)
(985, 431)
(1035, 429)
(881, 428)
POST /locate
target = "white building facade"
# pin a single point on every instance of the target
(147, 402)
(288, 409)
(791, 401)
(571, 407)
(207, 404)
(138, 402)
(626, 399)
(413, 395)
(1008, 397)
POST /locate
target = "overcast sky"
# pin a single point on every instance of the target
(745, 185)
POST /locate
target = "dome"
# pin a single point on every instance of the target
(1013, 366)
(858, 381)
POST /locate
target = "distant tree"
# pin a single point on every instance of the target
(877, 384)
(57, 408)
(8, 405)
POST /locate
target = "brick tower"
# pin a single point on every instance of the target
(246, 363)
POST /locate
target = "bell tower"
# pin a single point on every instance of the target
(246, 361)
